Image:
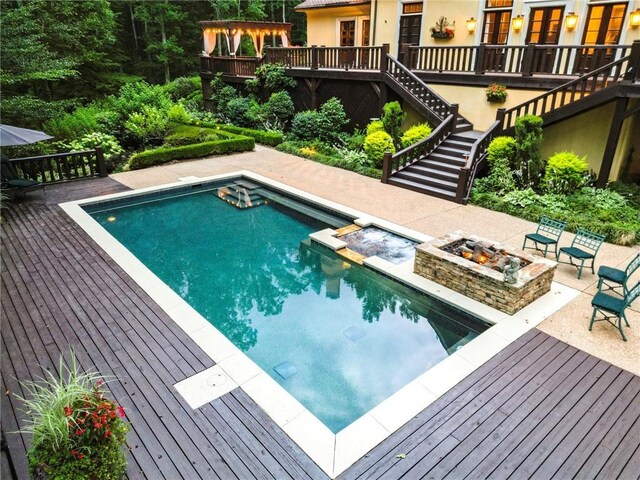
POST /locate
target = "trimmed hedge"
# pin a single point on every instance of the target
(272, 139)
(162, 155)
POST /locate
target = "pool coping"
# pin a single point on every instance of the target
(333, 453)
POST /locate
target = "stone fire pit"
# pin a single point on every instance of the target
(484, 282)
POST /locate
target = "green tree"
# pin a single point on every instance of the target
(158, 18)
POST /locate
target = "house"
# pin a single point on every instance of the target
(576, 63)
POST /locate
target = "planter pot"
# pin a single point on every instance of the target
(496, 100)
(441, 35)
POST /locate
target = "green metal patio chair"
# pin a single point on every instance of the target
(584, 247)
(614, 278)
(547, 234)
(613, 308)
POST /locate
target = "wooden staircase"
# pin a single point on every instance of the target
(444, 165)
(438, 173)
(434, 170)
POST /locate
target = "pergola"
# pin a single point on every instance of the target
(233, 31)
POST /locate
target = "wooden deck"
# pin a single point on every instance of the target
(538, 409)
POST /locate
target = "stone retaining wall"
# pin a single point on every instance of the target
(481, 283)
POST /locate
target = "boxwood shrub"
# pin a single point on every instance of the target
(162, 155)
(266, 138)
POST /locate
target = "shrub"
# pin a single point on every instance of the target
(392, 118)
(334, 159)
(242, 111)
(77, 431)
(278, 110)
(162, 155)
(500, 149)
(149, 124)
(260, 136)
(630, 191)
(182, 87)
(356, 160)
(271, 76)
(187, 135)
(136, 96)
(415, 134)
(376, 145)
(565, 173)
(528, 161)
(375, 126)
(178, 114)
(356, 141)
(109, 144)
(306, 125)
(82, 121)
(333, 121)
(221, 95)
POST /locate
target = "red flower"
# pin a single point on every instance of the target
(68, 410)
(74, 452)
(107, 434)
(80, 431)
(80, 456)
(121, 412)
(99, 382)
(97, 425)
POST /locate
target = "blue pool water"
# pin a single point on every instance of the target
(339, 337)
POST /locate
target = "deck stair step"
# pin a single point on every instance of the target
(419, 187)
(429, 180)
(439, 171)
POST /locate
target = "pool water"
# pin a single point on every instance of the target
(337, 336)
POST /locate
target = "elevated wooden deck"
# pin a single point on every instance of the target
(539, 408)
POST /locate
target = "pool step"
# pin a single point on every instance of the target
(239, 196)
(320, 215)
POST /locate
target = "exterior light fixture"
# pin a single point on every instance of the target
(471, 25)
(634, 18)
(571, 20)
(518, 23)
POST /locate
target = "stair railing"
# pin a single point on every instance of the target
(407, 80)
(393, 163)
(599, 79)
(475, 160)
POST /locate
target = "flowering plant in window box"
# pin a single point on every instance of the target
(443, 29)
(496, 93)
(78, 433)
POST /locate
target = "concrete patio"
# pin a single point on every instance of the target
(434, 217)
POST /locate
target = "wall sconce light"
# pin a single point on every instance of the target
(472, 23)
(518, 23)
(571, 20)
(634, 18)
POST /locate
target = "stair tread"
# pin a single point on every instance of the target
(458, 144)
(424, 188)
(427, 171)
(438, 166)
(454, 148)
(421, 179)
(443, 156)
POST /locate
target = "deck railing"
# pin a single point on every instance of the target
(574, 90)
(418, 89)
(393, 163)
(62, 167)
(532, 59)
(476, 159)
(334, 58)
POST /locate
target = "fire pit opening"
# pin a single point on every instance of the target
(482, 253)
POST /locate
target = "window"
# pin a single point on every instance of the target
(544, 25)
(495, 30)
(409, 8)
(348, 33)
(497, 21)
(604, 24)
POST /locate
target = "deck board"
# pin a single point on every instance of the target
(540, 408)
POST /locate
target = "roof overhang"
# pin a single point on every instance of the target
(317, 4)
(257, 27)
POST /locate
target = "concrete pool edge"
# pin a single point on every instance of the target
(333, 453)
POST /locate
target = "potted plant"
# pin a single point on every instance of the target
(443, 29)
(496, 93)
(77, 431)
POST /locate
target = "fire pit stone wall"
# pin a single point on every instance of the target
(479, 282)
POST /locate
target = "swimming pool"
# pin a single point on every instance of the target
(337, 336)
